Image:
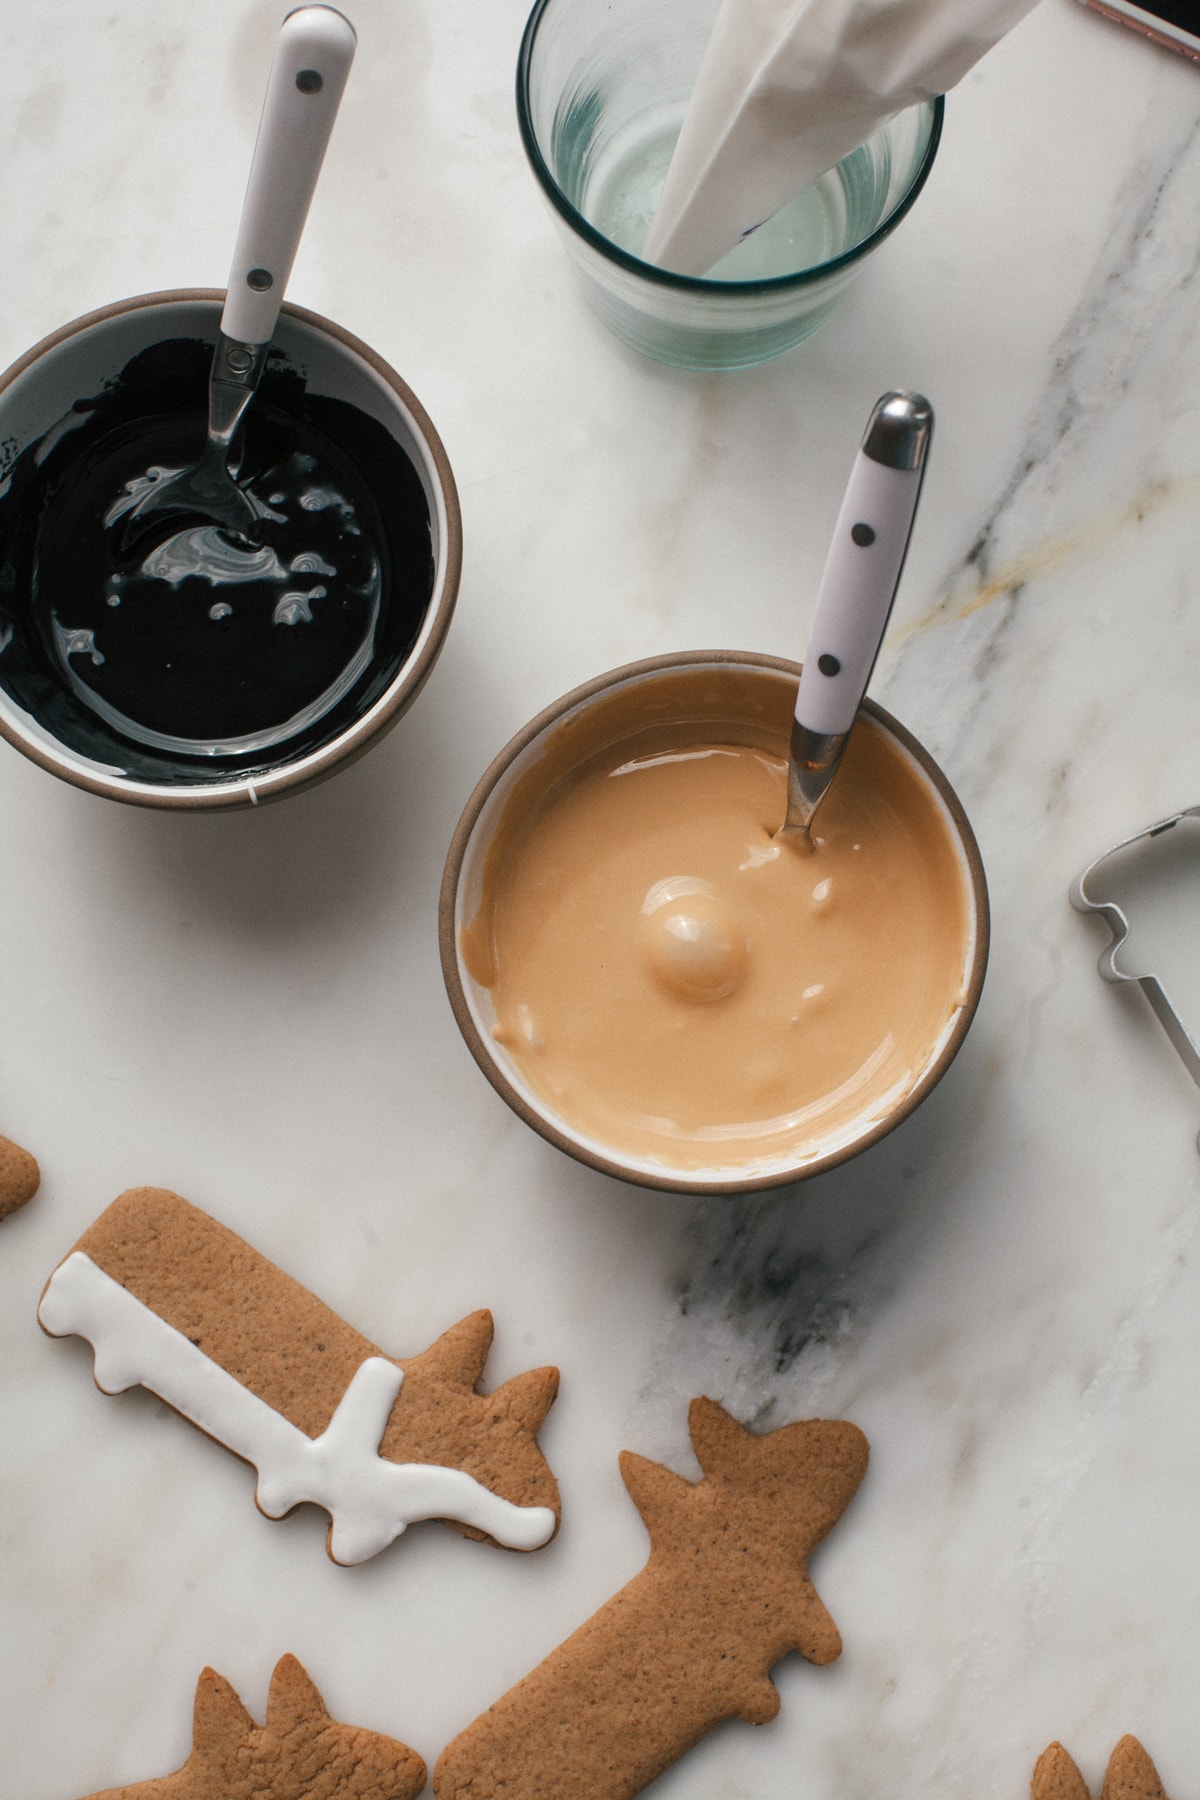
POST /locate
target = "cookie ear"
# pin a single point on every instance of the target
(528, 1398)
(661, 1496)
(220, 1723)
(458, 1356)
(293, 1702)
(1055, 1777)
(830, 1458)
(1131, 1775)
(719, 1441)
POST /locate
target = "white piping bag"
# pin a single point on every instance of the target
(789, 87)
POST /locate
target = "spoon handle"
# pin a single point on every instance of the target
(862, 570)
(862, 573)
(308, 75)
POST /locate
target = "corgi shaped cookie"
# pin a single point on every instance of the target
(1130, 1775)
(692, 1638)
(172, 1301)
(299, 1754)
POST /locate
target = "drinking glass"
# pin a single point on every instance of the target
(602, 87)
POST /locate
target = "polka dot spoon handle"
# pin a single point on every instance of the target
(862, 573)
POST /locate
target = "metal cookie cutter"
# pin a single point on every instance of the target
(1117, 922)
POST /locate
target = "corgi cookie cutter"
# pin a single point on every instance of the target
(1086, 899)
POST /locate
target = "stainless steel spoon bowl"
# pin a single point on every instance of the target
(308, 77)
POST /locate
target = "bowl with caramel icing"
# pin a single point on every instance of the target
(665, 988)
(174, 664)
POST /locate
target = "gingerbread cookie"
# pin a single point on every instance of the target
(692, 1638)
(174, 1302)
(299, 1754)
(19, 1177)
(1130, 1775)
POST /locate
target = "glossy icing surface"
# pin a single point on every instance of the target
(676, 981)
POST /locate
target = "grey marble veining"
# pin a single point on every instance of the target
(1003, 1293)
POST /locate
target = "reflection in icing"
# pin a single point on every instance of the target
(76, 643)
(692, 939)
(206, 643)
(139, 487)
(315, 499)
(206, 551)
(295, 609)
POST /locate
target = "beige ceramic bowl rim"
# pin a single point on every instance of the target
(350, 744)
(543, 1122)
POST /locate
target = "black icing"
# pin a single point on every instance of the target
(168, 664)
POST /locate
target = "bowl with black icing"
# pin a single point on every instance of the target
(160, 662)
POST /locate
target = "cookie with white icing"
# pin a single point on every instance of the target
(19, 1177)
(300, 1753)
(172, 1301)
(691, 1640)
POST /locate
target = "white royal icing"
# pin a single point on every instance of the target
(369, 1499)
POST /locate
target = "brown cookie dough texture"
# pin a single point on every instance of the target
(1130, 1775)
(19, 1177)
(299, 1754)
(691, 1640)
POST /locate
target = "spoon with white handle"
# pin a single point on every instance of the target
(862, 573)
(308, 75)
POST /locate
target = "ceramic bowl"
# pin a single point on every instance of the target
(47, 393)
(514, 787)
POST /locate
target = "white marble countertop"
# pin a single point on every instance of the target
(1005, 1294)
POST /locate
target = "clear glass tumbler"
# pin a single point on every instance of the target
(602, 86)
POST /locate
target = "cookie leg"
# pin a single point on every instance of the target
(19, 1177)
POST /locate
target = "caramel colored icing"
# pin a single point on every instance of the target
(681, 986)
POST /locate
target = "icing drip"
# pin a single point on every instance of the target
(370, 1500)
